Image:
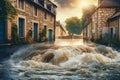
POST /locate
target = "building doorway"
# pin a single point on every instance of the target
(112, 32)
(2, 32)
(35, 33)
(21, 27)
(49, 35)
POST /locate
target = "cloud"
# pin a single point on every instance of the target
(70, 8)
(67, 3)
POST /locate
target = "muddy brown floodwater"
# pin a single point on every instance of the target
(53, 62)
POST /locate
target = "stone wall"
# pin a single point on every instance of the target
(114, 24)
(87, 32)
(99, 20)
(94, 25)
(28, 14)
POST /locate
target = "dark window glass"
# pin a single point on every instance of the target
(35, 11)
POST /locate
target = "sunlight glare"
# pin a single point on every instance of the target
(86, 3)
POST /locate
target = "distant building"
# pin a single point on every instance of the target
(34, 15)
(60, 31)
(96, 27)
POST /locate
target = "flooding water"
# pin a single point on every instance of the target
(68, 42)
(75, 62)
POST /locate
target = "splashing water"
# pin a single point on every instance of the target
(50, 62)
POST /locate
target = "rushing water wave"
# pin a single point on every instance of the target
(50, 62)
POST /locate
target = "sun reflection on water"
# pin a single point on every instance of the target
(68, 42)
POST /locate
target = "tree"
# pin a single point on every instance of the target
(74, 25)
(7, 11)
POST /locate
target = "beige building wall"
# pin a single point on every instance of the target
(57, 31)
(60, 31)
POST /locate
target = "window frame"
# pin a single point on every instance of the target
(21, 4)
(35, 11)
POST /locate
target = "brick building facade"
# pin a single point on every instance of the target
(34, 15)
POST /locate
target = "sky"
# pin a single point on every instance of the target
(70, 8)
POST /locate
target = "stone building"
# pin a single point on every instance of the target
(60, 31)
(34, 15)
(97, 27)
(114, 26)
(87, 31)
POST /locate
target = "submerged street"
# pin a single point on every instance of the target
(54, 62)
(60, 40)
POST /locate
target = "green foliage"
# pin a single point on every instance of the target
(109, 41)
(29, 39)
(7, 11)
(15, 37)
(74, 25)
(30, 33)
(43, 35)
(17, 40)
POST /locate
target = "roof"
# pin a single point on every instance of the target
(105, 4)
(109, 3)
(41, 6)
(115, 16)
(58, 24)
(52, 3)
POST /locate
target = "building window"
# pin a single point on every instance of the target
(35, 11)
(21, 4)
(45, 16)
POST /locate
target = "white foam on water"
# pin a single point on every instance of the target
(60, 59)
